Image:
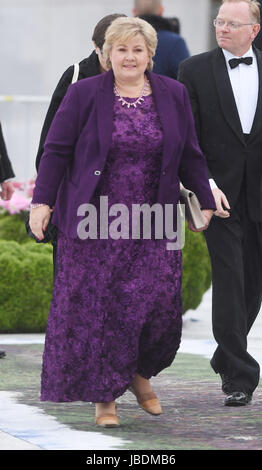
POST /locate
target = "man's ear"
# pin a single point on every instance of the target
(134, 12)
(256, 30)
(95, 46)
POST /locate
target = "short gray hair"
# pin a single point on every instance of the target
(125, 28)
(147, 7)
(254, 8)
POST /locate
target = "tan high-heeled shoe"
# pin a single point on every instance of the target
(108, 420)
(148, 401)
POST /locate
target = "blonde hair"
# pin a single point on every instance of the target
(254, 8)
(125, 28)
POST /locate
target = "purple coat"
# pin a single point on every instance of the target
(79, 139)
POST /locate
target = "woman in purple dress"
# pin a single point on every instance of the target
(125, 137)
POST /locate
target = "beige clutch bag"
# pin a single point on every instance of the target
(193, 211)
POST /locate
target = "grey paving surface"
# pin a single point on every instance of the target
(187, 422)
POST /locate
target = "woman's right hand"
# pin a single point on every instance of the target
(38, 220)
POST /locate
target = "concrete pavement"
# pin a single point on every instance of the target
(198, 337)
(188, 422)
(9, 442)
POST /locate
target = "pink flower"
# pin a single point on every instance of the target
(17, 184)
(30, 192)
(17, 203)
(21, 198)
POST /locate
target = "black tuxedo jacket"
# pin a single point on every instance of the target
(6, 170)
(229, 155)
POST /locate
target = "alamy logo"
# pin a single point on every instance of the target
(137, 225)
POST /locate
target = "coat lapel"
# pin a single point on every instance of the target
(105, 112)
(166, 115)
(257, 123)
(225, 92)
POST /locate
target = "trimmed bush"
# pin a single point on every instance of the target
(25, 286)
(12, 227)
(26, 277)
(196, 270)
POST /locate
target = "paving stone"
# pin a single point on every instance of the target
(194, 417)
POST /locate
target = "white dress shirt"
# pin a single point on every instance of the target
(245, 83)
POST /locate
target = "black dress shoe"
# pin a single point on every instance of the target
(2, 353)
(238, 399)
(226, 384)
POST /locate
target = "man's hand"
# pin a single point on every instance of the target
(207, 213)
(38, 221)
(7, 190)
(221, 203)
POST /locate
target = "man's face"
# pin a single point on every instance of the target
(235, 40)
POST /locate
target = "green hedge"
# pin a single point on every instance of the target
(25, 286)
(196, 270)
(12, 227)
(26, 276)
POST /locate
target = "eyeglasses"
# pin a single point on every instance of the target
(229, 24)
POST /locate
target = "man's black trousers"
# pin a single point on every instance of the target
(235, 248)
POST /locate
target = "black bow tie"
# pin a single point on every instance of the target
(242, 60)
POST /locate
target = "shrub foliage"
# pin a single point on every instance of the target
(27, 276)
(25, 286)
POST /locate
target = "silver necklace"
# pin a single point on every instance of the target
(139, 100)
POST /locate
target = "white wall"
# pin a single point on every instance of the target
(39, 39)
(195, 21)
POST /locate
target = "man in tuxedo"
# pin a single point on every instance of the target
(7, 188)
(226, 96)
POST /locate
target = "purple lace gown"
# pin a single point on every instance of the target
(116, 307)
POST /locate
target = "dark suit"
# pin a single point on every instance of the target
(235, 244)
(171, 47)
(6, 170)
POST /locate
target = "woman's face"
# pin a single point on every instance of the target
(129, 59)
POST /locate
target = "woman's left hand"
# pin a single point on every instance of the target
(207, 213)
